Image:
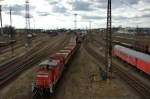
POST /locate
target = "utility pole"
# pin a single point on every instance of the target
(27, 18)
(90, 22)
(108, 50)
(75, 22)
(11, 34)
(34, 25)
(137, 31)
(1, 20)
(10, 18)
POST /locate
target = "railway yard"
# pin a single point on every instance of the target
(74, 49)
(81, 78)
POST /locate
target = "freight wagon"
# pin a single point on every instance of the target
(51, 70)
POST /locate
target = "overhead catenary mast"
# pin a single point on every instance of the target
(11, 32)
(75, 22)
(1, 20)
(27, 20)
(90, 22)
(108, 49)
(34, 24)
(10, 17)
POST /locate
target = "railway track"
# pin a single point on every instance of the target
(35, 95)
(38, 93)
(18, 59)
(140, 87)
(17, 45)
(4, 49)
(26, 55)
(12, 69)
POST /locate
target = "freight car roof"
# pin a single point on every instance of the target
(134, 53)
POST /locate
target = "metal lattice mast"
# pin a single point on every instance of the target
(1, 20)
(27, 20)
(11, 35)
(10, 17)
(108, 40)
(90, 22)
(27, 16)
(75, 22)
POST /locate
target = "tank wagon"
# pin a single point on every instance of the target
(51, 69)
(135, 58)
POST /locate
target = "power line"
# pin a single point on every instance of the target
(126, 3)
(130, 6)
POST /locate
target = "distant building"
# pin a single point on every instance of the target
(126, 30)
(137, 31)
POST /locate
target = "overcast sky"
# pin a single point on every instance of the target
(60, 13)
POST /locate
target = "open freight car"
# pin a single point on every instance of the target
(137, 59)
(51, 70)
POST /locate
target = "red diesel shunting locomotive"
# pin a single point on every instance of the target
(135, 58)
(51, 70)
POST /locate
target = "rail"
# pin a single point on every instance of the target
(13, 69)
(140, 87)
